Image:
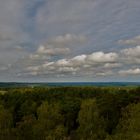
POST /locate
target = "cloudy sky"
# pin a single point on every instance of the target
(69, 40)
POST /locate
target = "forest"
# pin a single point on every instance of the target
(70, 113)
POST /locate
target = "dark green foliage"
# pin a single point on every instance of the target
(24, 128)
(50, 122)
(91, 124)
(70, 113)
(6, 123)
(129, 124)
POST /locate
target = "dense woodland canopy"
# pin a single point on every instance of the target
(70, 113)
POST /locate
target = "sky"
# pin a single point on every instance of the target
(69, 40)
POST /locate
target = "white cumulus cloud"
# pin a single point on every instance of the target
(134, 41)
(101, 57)
(131, 55)
(130, 72)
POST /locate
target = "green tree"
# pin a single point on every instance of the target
(91, 124)
(6, 122)
(27, 108)
(50, 122)
(24, 129)
(129, 125)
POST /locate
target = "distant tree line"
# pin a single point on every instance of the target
(70, 113)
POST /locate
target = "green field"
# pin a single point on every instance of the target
(70, 113)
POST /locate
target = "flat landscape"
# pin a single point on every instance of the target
(70, 113)
(69, 69)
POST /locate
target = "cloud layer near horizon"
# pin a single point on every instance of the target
(62, 40)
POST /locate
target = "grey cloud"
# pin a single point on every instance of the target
(101, 57)
(77, 65)
(11, 35)
(133, 41)
(4, 68)
(132, 52)
(66, 25)
(57, 46)
(112, 65)
(67, 14)
(67, 39)
(131, 55)
(106, 73)
(5, 37)
(11, 18)
(97, 64)
(130, 72)
(52, 51)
